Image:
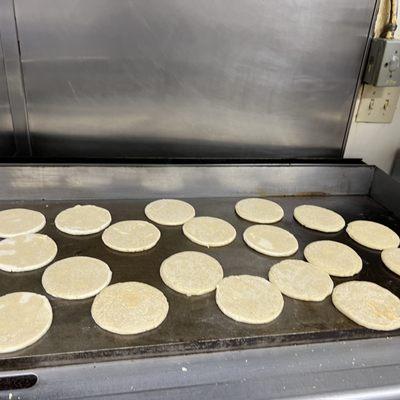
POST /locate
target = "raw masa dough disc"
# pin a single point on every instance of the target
(24, 318)
(300, 280)
(169, 212)
(83, 220)
(19, 221)
(191, 273)
(319, 218)
(337, 259)
(373, 235)
(129, 308)
(76, 278)
(131, 236)
(26, 252)
(391, 258)
(270, 240)
(209, 231)
(368, 304)
(250, 299)
(258, 210)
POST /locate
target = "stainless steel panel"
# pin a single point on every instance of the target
(25, 182)
(178, 78)
(12, 93)
(385, 190)
(367, 369)
(7, 144)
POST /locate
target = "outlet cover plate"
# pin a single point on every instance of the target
(377, 104)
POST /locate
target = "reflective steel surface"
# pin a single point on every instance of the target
(60, 182)
(177, 78)
(356, 370)
(385, 189)
(15, 135)
(7, 144)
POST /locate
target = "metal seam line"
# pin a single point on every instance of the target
(14, 77)
(4, 79)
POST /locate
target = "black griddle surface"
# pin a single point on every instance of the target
(193, 324)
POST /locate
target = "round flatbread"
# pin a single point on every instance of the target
(250, 299)
(261, 211)
(319, 218)
(191, 273)
(169, 212)
(373, 235)
(391, 258)
(368, 305)
(300, 280)
(26, 252)
(129, 308)
(83, 220)
(209, 231)
(76, 278)
(24, 318)
(270, 240)
(337, 259)
(131, 236)
(19, 221)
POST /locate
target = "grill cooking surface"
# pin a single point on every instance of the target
(193, 324)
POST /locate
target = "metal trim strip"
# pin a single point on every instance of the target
(115, 181)
(14, 76)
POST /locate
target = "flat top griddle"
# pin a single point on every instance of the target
(193, 324)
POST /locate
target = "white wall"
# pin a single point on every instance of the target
(376, 144)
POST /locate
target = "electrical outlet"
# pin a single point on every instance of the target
(383, 67)
(377, 104)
